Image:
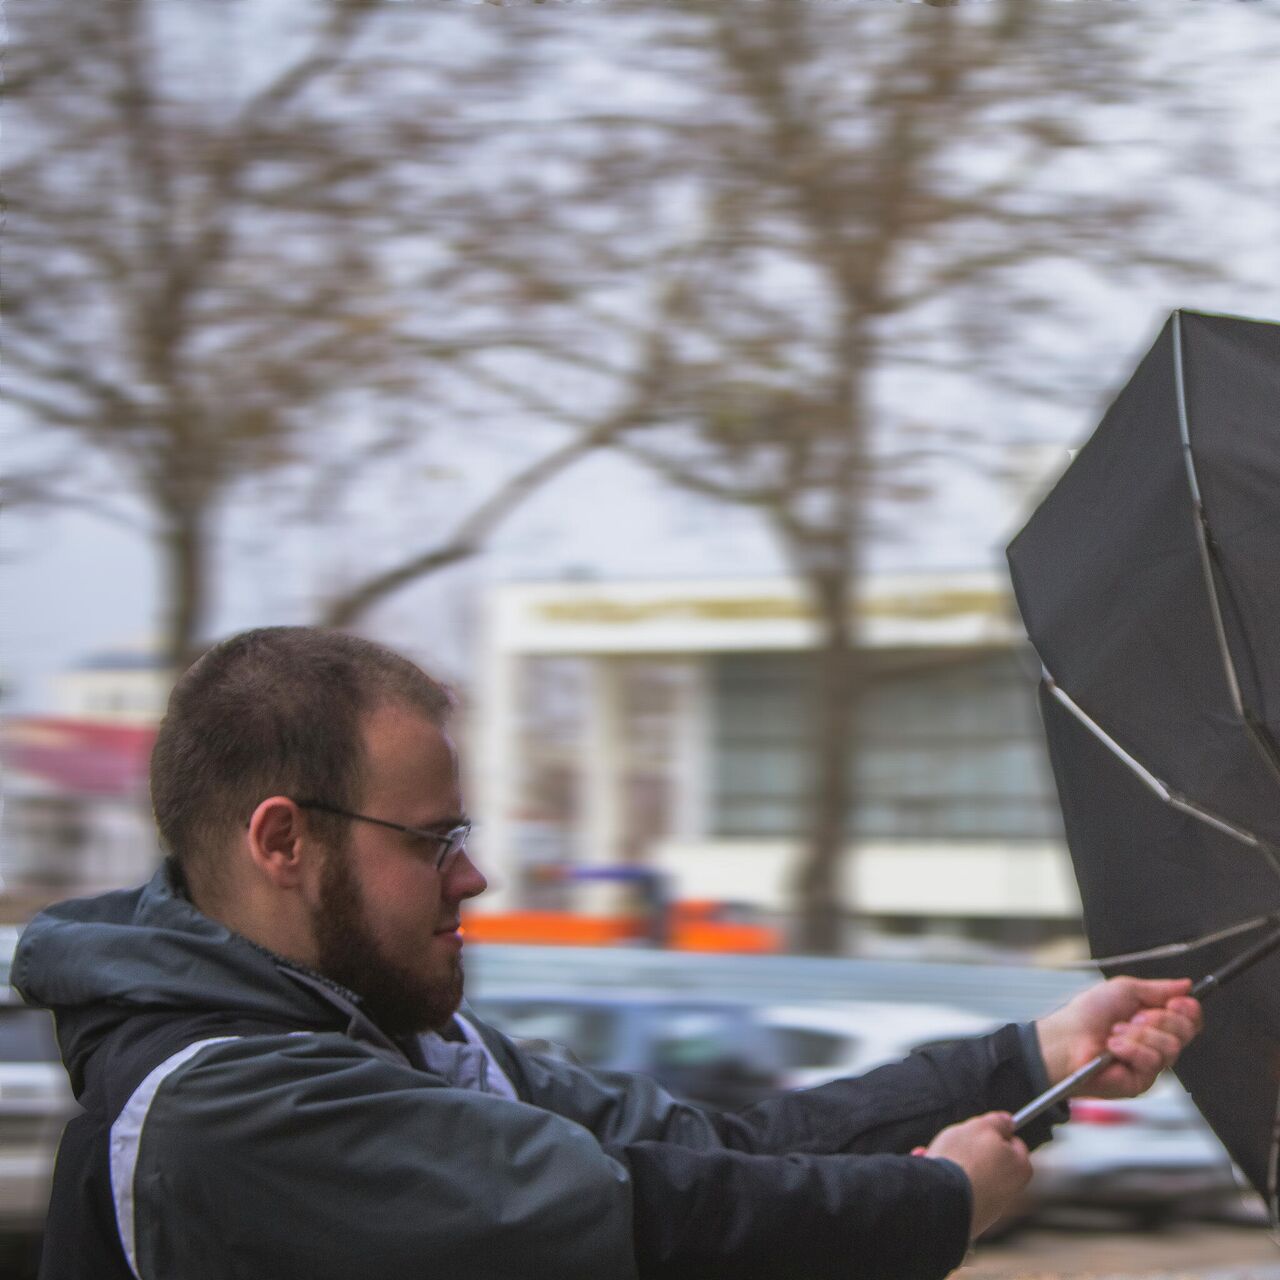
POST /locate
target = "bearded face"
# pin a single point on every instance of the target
(399, 998)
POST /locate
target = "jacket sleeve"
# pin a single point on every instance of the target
(888, 1216)
(803, 1184)
(888, 1110)
(729, 1215)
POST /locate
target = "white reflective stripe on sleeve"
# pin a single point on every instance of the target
(497, 1079)
(126, 1135)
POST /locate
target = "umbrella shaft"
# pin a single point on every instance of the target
(1061, 1090)
(1245, 960)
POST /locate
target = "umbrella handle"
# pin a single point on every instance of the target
(1200, 990)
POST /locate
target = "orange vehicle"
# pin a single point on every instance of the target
(691, 925)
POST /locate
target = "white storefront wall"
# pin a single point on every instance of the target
(692, 621)
(910, 878)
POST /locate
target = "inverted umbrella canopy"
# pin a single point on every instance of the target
(1149, 582)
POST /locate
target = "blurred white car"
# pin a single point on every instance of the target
(1151, 1158)
(817, 1043)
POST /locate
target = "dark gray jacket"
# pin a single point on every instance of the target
(243, 1118)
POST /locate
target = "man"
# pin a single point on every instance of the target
(277, 1083)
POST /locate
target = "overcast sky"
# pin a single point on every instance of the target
(75, 584)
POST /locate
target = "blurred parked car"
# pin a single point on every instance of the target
(35, 1103)
(1152, 1158)
(817, 1043)
(705, 1051)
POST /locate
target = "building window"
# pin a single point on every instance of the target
(946, 747)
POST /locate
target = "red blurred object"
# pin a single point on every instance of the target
(1100, 1111)
(83, 757)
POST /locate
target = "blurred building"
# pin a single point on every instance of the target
(116, 686)
(76, 815)
(666, 722)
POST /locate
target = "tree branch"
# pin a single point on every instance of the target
(469, 534)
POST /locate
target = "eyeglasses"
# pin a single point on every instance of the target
(452, 842)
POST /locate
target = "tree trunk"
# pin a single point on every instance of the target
(185, 556)
(823, 907)
(830, 566)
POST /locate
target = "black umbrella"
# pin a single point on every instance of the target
(1149, 582)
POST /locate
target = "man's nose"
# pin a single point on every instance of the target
(464, 879)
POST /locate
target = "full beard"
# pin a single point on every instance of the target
(397, 999)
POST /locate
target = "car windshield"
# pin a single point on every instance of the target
(801, 1047)
(583, 1029)
(693, 1037)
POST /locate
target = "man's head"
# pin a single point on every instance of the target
(267, 725)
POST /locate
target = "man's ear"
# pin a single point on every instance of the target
(277, 840)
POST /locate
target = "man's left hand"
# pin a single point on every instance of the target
(1144, 1023)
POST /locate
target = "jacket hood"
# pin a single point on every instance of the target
(96, 962)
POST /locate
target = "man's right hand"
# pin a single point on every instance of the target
(995, 1160)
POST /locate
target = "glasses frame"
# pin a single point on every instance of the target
(454, 841)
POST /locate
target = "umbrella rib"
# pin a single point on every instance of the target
(1172, 948)
(1202, 523)
(1162, 789)
(1204, 540)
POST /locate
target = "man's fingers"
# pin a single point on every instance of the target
(1145, 1046)
(1143, 1064)
(1145, 1051)
(1186, 1007)
(1174, 1022)
(1002, 1123)
(1152, 1033)
(1157, 992)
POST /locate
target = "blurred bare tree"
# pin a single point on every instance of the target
(877, 189)
(715, 230)
(232, 228)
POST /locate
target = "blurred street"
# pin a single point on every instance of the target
(1060, 1252)
(1085, 1252)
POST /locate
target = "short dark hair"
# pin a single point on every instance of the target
(278, 710)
